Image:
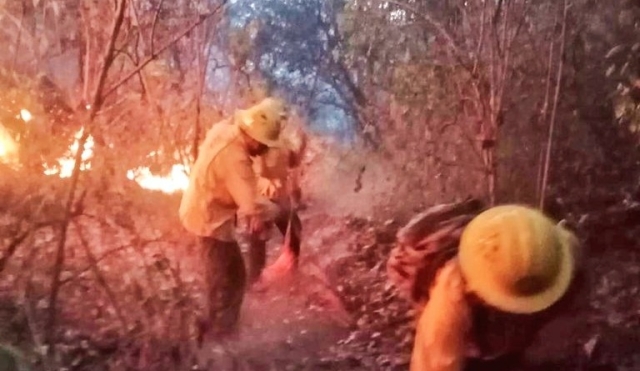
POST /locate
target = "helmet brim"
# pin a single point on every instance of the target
(245, 125)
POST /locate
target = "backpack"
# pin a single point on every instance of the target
(425, 244)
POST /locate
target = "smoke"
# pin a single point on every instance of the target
(345, 180)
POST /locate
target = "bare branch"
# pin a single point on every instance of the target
(505, 64)
(437, 25)
(143, 78)
(153, 25)
(543, 115)
(93, 262)
(107, 60)
(34, 329)
(89, 267)
(13, 247)
(556, 98)
(87, 56)
(109, 253)
(155, 54)
(21, 29)
(20, 238)
(443, 162)
(474, 71)
(19, 39)
(203, 65)
(96, 102)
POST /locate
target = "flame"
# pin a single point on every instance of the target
(8, 147)
(177, 180)
(25, 115)
(66, 163)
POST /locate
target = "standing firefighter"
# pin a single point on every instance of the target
(223, 187)
(279, 182)
(510, 272)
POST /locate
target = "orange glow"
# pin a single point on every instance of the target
(8, 147)
(25, 115)
(66, 163)
(176, 181)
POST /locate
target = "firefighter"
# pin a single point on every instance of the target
(222, 190)
(514, 271)
(278, 180)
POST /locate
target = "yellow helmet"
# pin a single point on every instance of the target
(263, 121)
(516, 259)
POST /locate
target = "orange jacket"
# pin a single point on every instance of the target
(452, 327)
(441, 336)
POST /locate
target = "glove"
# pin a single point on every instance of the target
(269, 188)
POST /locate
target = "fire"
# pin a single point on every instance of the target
(66, 163)
(25, 115)
(7, 145)
(176, 181)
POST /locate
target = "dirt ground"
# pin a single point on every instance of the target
(298, 326)
(337, 313)
(298, 321)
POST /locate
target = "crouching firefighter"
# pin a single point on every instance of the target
(508, 271)
(278, 180)
(222, 189)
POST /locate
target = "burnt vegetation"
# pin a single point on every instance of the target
(408, 103)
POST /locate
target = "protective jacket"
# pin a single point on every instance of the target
(506, 244)
(222, 184)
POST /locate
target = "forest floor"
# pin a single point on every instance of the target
(338, 312)
(298, 326)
